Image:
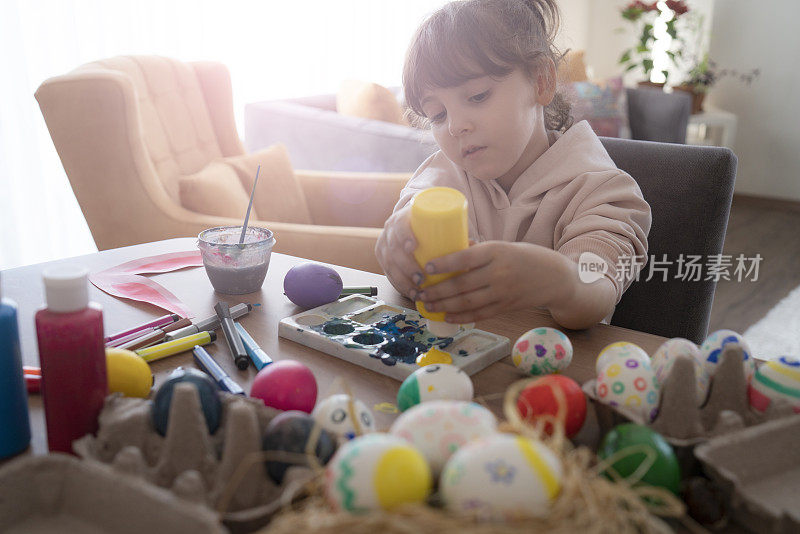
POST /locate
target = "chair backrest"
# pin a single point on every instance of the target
(658, 116)
(175, 122)
(689, 189)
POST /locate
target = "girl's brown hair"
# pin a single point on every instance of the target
(467, 39)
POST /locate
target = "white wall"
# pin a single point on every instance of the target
(574, 24)
(761, 34)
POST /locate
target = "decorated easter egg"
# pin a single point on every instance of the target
(290, 432)
(542, 351)
(621, 350)
(434, 382)
(207, 389)
(376, 471)
(553, 398)
(312, 284)
(128, 373)
(438, 428)
(665, 356)
(712, 347)
(286, 385)
(629, 385)
(776, 379)
(336, 414)
(637, 445)
(501, 477)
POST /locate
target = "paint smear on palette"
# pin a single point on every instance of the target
(394, 339)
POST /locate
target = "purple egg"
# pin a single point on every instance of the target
(311, 284)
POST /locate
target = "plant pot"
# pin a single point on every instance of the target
(697, 97)
(654, 85)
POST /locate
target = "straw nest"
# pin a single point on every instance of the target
(588, 502)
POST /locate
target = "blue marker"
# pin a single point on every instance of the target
(259, 357)
(205, 362)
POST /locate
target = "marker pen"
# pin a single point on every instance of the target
(231, 336)
(130, 337)
(209, 323)
(156, 336)
(162, 350)
(258, 356)
(208, 365)
(367, 291)
(155, 323)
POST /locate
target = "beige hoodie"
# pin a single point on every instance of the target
(572, 199)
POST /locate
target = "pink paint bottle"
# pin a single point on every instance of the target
(72, 356)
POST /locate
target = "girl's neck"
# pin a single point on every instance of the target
(538, 145)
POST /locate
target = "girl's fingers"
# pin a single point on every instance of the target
(480, 314)
(402, 284)
(470, 258)
(463, 283)
(464, 302)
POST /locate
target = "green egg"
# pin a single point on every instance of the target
(664, 472)
(408, 395)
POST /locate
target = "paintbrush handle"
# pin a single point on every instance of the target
(249, 205)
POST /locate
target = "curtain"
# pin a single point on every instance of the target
(274, 49)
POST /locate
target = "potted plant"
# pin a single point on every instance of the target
(643, 16)
(704, 74)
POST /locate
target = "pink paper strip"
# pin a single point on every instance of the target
(124, 281)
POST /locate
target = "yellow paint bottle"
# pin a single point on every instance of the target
(439, 224)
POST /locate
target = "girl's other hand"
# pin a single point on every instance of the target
(394, 251)
(499, 277)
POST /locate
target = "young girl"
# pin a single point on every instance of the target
(541, 194)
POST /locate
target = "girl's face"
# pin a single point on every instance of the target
(492, 128)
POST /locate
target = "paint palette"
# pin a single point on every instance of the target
(386, 338)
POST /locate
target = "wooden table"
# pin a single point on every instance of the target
(24, 285)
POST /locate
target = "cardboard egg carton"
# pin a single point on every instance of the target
(680, 420)
(195, 465)
(759, 471)
(60, 493)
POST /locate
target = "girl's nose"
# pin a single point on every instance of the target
(459, 124)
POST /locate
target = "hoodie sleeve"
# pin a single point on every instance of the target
(435, 171)
(612, 221)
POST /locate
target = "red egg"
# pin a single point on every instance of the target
(286, 385)
(545, 395)
(312, 284)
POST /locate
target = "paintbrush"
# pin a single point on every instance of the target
(231, 336)
(249, 205)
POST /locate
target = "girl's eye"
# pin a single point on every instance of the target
(439, 117)
(479, 97)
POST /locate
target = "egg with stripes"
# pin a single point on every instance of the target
(502, 477)
(434, 382)
(376, 472)
(773, 380)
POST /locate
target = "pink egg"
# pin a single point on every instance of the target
(286, 385)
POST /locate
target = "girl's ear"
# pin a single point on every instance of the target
(545, 82)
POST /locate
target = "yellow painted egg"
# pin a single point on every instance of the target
(502, 477)
(128, 373)
(773, 380)
(621, 350)
(439, 428)
(376, 471)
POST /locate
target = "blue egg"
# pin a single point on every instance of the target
(290, 432)
(206, 388)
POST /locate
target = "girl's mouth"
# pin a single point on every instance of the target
(471, 151)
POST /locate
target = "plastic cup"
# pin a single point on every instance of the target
(235, 269)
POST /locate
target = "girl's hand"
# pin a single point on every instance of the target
(394, 252)
(499, 277)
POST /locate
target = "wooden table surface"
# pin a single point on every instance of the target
(24, 285)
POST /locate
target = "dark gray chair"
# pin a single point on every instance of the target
(689, 189)
(654, 115)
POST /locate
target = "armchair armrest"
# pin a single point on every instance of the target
(364, 199)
